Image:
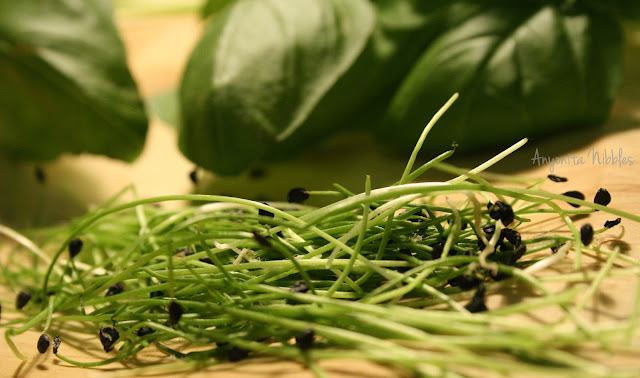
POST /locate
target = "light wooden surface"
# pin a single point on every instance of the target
(158, 47)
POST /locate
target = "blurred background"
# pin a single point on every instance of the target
(159, 36)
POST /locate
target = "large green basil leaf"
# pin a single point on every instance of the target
(260, 69)
(64, 81)
(521, 71)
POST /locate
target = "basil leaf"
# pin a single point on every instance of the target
(521, 72)
(259, 71)
(65, 83)
(214, 6)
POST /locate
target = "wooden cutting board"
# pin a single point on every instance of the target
(158, 47)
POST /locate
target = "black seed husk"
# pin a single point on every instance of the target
(502, 211)
(175, 312)
(56, 344)
(43, 343)
(437, 250)
(108, 336)
(602, 197)
(193, 176)
(237, 354)
(206, 260)
(512, 236)
(555, 248)
(465, 282)
(304, 340)
(299, 287)
(257, 172)
(265, 213)
(39, 174)
(586, 234)
(75, 246)
(116, 288)
(611, 223)
(489, 229)
(574, 194)
(297, 195)
(22, 299)
(261, 239)
(183, 252)
(517, 254)
(143, 331)
(477, 302)
(555, 178)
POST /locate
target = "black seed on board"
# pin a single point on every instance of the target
(586, 234)
(574, 194)
(502, 211)
(116, 288)
(261, 239)
(237, 354)
(465, 282)
(38, 172)
(206, 260)
(175, 312)
(144, 331)
(43, 343)
(611, 223)
(75, 246)
(56, 344)
(304, 340)
(297, 195)
(555, 248)
(0, 311)
(22, 299)
(602, 197)
(299, 287)
(477, 302)
(108, 336)
(257, 173)
(193, 176)
(555, 178)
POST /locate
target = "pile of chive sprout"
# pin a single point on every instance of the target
(397, 276)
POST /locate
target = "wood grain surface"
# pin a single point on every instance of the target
(158, 47)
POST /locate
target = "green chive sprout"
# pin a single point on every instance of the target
(397, 275)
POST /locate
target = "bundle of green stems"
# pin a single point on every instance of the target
(395, 275)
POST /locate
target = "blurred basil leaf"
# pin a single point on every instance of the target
(249, 92)
(521, 72)
(260, 69)
(214, 6)
(65, 83)
(165, 106)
